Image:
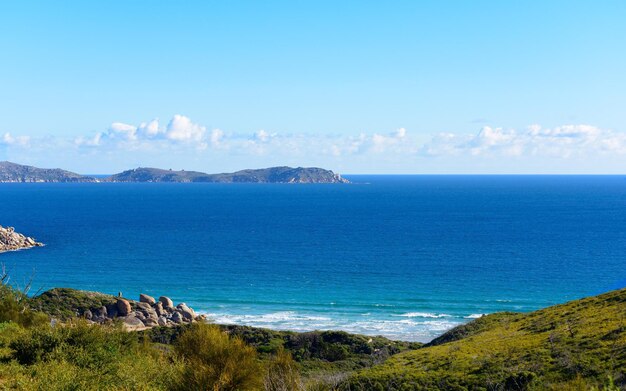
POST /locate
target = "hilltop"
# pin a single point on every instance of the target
(12, 172)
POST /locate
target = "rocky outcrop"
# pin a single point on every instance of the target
(65, 303)
(11, 240)
(147, 312)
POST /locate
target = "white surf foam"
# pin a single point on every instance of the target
(423, 315)
(411, 328)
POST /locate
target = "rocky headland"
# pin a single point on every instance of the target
(11, 240)
(12, 172)
(147, 312)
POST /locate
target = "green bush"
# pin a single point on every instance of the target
(14, 307)
(81, 344)
(80, 356)
(215, 361)
(282, 373)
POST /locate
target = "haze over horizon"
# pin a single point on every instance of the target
(357, 87)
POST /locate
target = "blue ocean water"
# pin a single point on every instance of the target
(402, 256)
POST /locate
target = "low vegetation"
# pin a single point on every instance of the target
(580, 345)
(66, 303)
(45, 345)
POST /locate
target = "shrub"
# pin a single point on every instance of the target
(282, 373)
(215, 361)
(79, 343)
(80, 356)
(14, 308)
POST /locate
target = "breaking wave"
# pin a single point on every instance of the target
(414, 327)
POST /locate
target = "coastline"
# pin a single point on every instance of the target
(420, 329)
(145, 313)
(10, 240)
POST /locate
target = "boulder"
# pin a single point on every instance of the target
(158, 307)
(132, 322)
(143, 306)
(123, 307)
(143, 298)
(177, 317)
(167, 302)
(111, 310)
(150, 314)
(100, 312)
(162, 321)
(187, 312)
(150, 322)
(87, 315)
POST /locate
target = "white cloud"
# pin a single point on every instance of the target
(150, 129)
(264, 136)
(181, 132)
(94, 141)
(217, 135)
(148, 135)
(122, 130)
(559, 142)
(490, 149)
(9, 140)
(381, 143)
(181, 128)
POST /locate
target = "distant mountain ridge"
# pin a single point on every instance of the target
(263, 175)
(12, 172)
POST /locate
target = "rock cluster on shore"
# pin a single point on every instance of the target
(11, 240)
(145, 313)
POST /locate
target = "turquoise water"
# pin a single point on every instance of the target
(402, 256)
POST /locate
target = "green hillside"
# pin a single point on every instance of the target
(578, 345)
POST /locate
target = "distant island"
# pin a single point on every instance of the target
(12, 172)
(263, 175)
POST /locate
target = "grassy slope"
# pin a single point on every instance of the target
(571, 346)
(545, 349)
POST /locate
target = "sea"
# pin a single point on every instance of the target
(406, 257)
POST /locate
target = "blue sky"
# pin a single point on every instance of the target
(359, 87)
